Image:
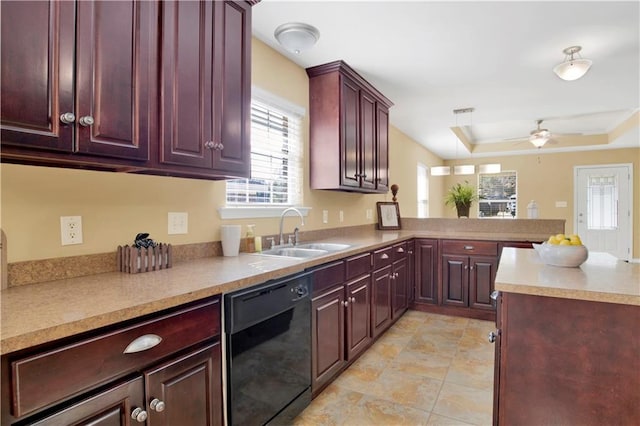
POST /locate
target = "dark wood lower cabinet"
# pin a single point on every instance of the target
(425, 255)
(358, 315)
(328, 337)
(381, 302)
(567, 362)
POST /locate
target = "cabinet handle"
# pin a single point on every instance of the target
(410, 252)
(384, 256)
(468, 247)
(209, 144)
(466, 267)
(493, 335)
(139, 415)
(471, 268)
(86, 121)
(156, 405)
(345, 303)
(219, 146)
(400, 250)
(67, 118)
(494, 295)
(143, 343)
(352, 299)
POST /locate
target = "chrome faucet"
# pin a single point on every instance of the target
(285, 211)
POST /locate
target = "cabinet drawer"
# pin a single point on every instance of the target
(487, 248)
(399, 251)
(58, 374)
(382, 257)
(328, 276)
(358, 265)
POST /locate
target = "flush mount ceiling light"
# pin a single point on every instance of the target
(572, 68)
(539, 136)
(296, 37)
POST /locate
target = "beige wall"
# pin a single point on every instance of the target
(114, 207)
(547, 178)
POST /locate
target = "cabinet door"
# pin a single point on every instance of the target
(190, 388)
(349, 133)
(382, 154)
(381, 301)
(482, 275)
(37, 57)
(455, 280)
(411, 268)
(115, 64)
(400, 299)
(368, 134)
(358, 315)
(112, 407)
(426, 271)
(232, 88)
(186, 96)
(327, 322)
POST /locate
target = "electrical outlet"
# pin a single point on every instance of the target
(70, 230)
(178, 222)
(325, 216)
(341, 216)
(369, 214)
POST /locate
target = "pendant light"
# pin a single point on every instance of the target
(572, 68)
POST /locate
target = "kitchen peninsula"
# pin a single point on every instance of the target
(568, 343)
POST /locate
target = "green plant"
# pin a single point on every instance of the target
(461, 196)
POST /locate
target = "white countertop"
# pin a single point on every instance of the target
(602, 278)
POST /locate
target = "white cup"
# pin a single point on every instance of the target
(230, 237)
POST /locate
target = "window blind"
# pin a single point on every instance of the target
(276, 159)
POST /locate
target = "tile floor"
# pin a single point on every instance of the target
(426, 370)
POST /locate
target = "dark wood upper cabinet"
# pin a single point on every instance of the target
(134, 86)
(77, 79)
(205, 98)
(349, 126)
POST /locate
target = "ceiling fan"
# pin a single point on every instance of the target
(538, 137)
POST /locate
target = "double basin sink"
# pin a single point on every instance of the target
(304, 251)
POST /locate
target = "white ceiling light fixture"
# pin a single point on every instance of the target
(296, 37)
(572, 68)
(539, 137)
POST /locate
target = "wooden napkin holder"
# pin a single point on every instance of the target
(134, 260)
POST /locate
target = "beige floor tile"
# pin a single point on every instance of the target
(375, 411)
(438, 420)
(421, 364)
(365, 371)
(405, 389)
(471, 372)
(331, 407)
(464, 403)
(439, 344)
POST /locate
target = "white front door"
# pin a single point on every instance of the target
(603, 197)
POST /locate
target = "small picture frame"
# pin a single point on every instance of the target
(388, 215)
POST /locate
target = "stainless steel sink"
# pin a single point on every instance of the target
(299, 252)
(324, 246)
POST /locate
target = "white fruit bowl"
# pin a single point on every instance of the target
(565, 256)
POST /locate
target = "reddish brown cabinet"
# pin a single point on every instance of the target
(341, 321)
(78, 81)
(566, 361)
(349, 125)
(426, 271)
(165, 369)
(205, 93)
(400, 281)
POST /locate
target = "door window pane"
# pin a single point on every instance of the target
(602, 202)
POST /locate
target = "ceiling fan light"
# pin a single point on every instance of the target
(538, 140)
(296, 37)
(572, 68)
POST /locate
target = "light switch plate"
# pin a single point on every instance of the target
(561, 204)
(325, 216)
(341, 216)
(178, 223)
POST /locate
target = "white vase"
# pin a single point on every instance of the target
(230, 238)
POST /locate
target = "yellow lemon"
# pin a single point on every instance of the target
(560, 237)
(552, 240)
(565, 242)
(575, 240)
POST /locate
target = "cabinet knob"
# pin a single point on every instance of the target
(156, 405)
(86, 121)
(410, 252)
(219, 146)
(494, 295)
(352, 299)
(466, 267)
(345, 303)
(400, 250)
(139, 415)
(493, 335)
(471, 268)
(384, 256)
(67, 117)
(209, 144)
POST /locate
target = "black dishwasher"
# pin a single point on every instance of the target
(268, 340)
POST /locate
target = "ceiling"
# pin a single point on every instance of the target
(430, 58)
